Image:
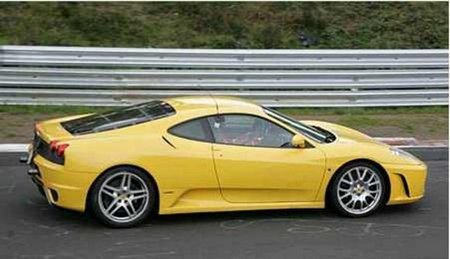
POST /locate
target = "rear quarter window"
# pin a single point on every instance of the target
(197, 129)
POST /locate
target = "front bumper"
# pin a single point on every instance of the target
(60, 187)
(407, 182)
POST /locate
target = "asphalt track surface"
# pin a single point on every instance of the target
(30, 228)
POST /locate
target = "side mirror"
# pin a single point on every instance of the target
(298, 141)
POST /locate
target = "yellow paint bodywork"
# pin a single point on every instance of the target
(195, 176)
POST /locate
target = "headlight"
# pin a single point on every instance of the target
(402, 153)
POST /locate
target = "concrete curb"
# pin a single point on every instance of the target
(13, 148)
(413, 142)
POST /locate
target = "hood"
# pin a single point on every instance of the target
(344, 134)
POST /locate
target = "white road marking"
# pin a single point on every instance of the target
(13, 148)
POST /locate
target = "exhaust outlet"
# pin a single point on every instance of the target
(33, 171)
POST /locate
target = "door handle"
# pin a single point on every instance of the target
(217, 152)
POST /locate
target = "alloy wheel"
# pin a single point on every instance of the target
(359, 190)
(123, 197)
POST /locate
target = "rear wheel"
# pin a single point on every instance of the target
(358, 190)
(122, 197)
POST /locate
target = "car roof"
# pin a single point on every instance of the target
(191, 102)
(223, 104)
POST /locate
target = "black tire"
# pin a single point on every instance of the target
(98, 210)
(337, 203)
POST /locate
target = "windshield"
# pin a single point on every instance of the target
(119, 118)
(312, 132)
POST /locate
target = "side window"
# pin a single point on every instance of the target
(195, 129)
(248, 130)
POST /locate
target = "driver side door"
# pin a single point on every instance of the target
(255, 163)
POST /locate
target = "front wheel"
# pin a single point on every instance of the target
(358, 190)
(122, 197)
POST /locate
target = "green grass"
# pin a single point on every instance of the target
(419, 122)
(346, 25)
(10, 135)
(365, 111)
(346, 113)
(431, 119)
(360, 120)
(38, 109)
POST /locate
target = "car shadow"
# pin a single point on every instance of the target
(310, 214)
(86, 220)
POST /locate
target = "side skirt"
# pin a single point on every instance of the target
(242, 207)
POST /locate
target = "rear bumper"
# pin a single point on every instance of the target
(61, 188)
(407, 183)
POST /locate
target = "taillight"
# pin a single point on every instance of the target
(53, 145)
(57, 148)
(60, 149)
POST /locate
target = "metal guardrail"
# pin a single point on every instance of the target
(289, 78)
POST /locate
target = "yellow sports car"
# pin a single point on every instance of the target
(203, 154)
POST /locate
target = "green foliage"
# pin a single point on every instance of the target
(226, 24)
